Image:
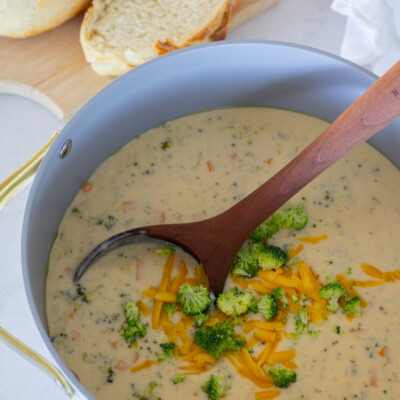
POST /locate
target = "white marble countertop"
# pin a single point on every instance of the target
(25, 126)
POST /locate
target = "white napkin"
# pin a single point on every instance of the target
(372, 35)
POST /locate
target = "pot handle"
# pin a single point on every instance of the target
(38, 361)
(8, 189)
(23, 175)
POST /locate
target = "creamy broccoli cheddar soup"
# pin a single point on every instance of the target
(313, 306)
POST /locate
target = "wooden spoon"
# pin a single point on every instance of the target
(215, 242)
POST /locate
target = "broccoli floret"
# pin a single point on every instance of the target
(164, 251)
(336, 329)
(255, 248)
(179, 378)
(279, 294)
(268, 306)
(283, 219)
(303, 316)
(282, 377)
(215, 387)
(194, 300)
(266, 230)
(218, 339)
(295, 218)
(304, 298)
(314, 334)
(166, 145)
(300, 218)
(353, 307)
(253, 307)
(132, 313)
(271, 257)
(332, 292)
(132, 332)
(245, 264)
(301, 323)
(200, 319)
(170, 308)
(134, 328)
(148, 394)
(246, 261)
(168, 348)
(234, 302)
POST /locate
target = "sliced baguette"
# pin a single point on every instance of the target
(22, 18)
(117, 35)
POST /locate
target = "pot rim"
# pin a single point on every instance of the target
(178, 54)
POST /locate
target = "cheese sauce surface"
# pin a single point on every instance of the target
(193, 168)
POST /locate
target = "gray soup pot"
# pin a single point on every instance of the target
(203, 77)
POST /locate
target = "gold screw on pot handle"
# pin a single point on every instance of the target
(22, 176)
(38, 360)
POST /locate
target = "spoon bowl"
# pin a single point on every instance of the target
(215, 242)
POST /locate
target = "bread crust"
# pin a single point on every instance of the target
(32, 17)
(109, 62)
(104, 63)
(214, 31)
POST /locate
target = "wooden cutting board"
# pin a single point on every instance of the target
(51, 68)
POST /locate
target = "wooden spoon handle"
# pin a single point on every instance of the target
(375, 109)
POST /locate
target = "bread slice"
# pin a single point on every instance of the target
(117, 35)
(22, 18)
